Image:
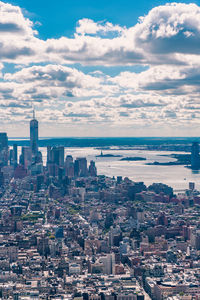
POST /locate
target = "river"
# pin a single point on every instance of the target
(177, 177)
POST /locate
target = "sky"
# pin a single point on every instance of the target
(100, 68)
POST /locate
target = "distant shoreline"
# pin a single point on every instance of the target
(108, 155)
(113, 143)
(136, 158)
(181, 159)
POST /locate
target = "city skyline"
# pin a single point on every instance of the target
(99, 150)
(100, 69)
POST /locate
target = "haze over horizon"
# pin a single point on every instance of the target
(116, 69)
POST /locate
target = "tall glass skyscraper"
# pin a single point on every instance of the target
(34, 135)
(195, 158)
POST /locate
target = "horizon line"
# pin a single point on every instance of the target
(107, 137)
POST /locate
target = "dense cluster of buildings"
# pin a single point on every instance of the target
(30, 161)
(67, 233)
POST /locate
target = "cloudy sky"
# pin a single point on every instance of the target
(100, 68)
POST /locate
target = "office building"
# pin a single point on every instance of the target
(3, 141)
(56, 155)
(3, 148)
(69, 166)
(25, 157)
(55, 159)
(34, 135)
(11, 157)
(48, 154)
(15, 155)
(1, 178)
(92, 169)
(195, 158)
(191, 186)
(82, 163)
(76, 168)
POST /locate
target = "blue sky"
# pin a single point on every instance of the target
(59, 17)
(100, 68)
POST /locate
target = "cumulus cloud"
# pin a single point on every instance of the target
(88, 26)
(55, 81)
(12, 22)
(172, 28)
(18, 41)
(162, 79)
(166, 41)
(113, 100)
(168, 34)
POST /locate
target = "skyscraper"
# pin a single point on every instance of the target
(3, 148)
(15, 155)
(69, 166)
(56, 155)
(195, 158)
(82, 162)
(92, 169)
(34, 135)
(55, 159)
(3, 141)
(25, 157)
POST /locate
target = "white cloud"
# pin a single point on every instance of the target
(168, 34)
(54, 81)
(88, 26)
(167, 40)
(13, 23)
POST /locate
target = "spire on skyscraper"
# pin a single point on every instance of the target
(33, 110)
